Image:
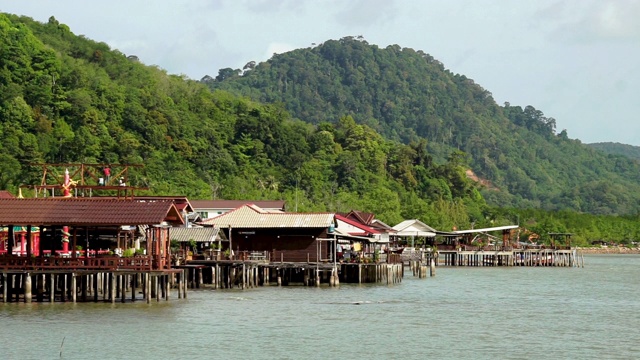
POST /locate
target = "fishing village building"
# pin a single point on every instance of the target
(291, 237)
(72, 253)
(211, 208)
(75, 240)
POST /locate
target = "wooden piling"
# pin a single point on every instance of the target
(5, 285)
(27, 288)
(73, 288)
(123, 288)
(112, 287)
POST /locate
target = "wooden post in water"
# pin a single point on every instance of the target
(432, 268)
(167, 286)
(27, 288)
(134, 279)
(152, 282)
(184, 288)
(179, 285)
(5, 284)
(156, 285)
(123, 288)
(147, 285)
(74, 289)
(163, 287)
(112, 287)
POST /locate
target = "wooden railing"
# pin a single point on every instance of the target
(138, 263)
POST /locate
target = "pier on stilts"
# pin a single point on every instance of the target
(62, 258)
(243, 274)
(463, 252)
(513, 257)
(91, 285)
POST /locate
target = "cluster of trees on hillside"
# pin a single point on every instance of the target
(65, 98)
(585, 229)
(617, 149)
(407, 95)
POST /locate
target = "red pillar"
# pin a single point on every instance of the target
(65, 239)
(23, 244)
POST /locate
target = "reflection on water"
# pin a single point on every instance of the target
(499, 313)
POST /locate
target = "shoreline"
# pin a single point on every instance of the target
(611, 250)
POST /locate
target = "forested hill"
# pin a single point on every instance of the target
(408, 95)
(630, 151)
(68, 99)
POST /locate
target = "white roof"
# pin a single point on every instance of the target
(345, 234)
(414, 227)
(483, 230)
(252, 216)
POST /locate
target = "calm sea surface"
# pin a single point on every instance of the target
(462, 313)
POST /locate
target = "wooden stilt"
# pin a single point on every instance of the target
(40, 287)
(123, 288)
(27, 287)
(134, 280)
(96, 285)
(147, 284)
(112, 287)
(184, 290)
(5, 285)
(73, 288)
(156, 286)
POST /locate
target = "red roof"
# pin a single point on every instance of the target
(86, 211)
(4, 194)
(365, 229)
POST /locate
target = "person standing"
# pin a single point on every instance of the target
(107, 174)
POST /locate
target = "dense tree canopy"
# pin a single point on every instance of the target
(409, 96)
(65, 98)
(69, 99)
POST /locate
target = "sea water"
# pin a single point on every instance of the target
(461, 313)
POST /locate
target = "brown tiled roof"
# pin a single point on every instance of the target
(233, 204)
(86, 211)
(4, 194)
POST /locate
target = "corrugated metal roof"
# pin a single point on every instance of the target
(414, 227)
(203, 234)
(252, 216)
(86, 211)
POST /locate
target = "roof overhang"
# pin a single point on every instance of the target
(484, 230)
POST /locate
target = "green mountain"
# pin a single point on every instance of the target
(409, 96)
(68, 99)
(611, 148)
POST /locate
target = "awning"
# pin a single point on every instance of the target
(342, 235)
(415, 234)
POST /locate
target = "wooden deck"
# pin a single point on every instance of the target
(112, 263)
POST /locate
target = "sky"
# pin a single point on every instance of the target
(574, 60)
